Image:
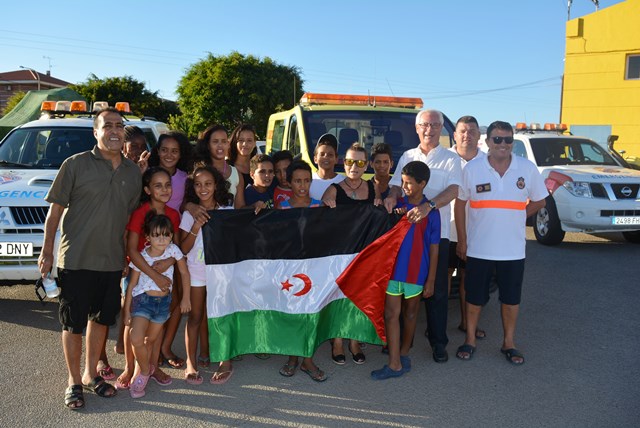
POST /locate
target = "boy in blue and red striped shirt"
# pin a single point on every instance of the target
(413, 275)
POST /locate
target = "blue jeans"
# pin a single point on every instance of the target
(155, 309)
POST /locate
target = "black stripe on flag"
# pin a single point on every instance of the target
(300, 233)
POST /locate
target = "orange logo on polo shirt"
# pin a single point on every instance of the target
(520, 183)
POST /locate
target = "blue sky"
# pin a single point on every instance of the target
(494, 59)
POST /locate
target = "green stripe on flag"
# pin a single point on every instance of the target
(273, 332)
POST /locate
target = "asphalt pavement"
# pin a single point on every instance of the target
(578, 329)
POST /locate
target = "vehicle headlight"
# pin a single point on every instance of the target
(580, 189)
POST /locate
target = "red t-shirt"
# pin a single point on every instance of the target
(280, 194)
(136, 222)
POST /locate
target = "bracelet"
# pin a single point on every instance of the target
(194, 234)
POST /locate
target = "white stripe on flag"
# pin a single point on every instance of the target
(262, 285)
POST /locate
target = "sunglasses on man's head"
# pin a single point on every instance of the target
(499, 140)
(360, 163)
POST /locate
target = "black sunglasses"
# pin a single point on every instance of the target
(499, 140)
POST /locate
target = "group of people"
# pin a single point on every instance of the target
(161, 199)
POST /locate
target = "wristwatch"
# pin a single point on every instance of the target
(432, 205)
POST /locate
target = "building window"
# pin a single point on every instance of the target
(633, 67)
(8, 87)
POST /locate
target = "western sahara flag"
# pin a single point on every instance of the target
(284, 281)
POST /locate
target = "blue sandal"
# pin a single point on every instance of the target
(512, 353)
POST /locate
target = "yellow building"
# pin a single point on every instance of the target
(601, 89)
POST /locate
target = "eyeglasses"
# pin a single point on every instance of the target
(499, 140)
(434, 125)
(359, 163)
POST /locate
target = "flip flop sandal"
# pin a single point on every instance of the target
(121, 386)
(106, 372)
(288, 370)
(136, 388)
(512, 353)
(193, 378)
(163, 379)
(99, 386)
(204, 362)
(465, 349)
(221, 376)
(174, 362)
(74, 397)
(317, 374)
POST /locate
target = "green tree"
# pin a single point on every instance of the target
(113, 89)
(233, 89)
(13, 101)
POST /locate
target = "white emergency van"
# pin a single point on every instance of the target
(30, 156)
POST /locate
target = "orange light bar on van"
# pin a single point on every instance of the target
(123, 107)
(99, 105)
(48, 106)
(310, 98)
(78, 106)
(521, 125)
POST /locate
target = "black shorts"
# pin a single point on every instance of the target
(455, 262)
(509, 275)
(88, 295)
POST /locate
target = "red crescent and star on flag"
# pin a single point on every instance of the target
(286, 285)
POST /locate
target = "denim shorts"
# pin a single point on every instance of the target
(155, 309)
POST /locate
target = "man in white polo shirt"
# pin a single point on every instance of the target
(442, 188)
(467, 135)
(501, 190)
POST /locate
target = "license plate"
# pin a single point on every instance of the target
(15, 249)
(625, 220)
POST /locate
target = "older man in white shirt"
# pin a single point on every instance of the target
(442, 188)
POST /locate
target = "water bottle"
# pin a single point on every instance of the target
(50, 286)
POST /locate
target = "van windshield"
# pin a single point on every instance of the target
(367, 128)
(45, 148)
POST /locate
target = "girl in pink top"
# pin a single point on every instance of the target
(173, 153)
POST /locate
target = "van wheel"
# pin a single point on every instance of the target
(547, 224)
(633, 237)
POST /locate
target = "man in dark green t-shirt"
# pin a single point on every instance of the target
(96, 191)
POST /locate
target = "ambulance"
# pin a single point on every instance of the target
(30, 156)
(363, 119)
